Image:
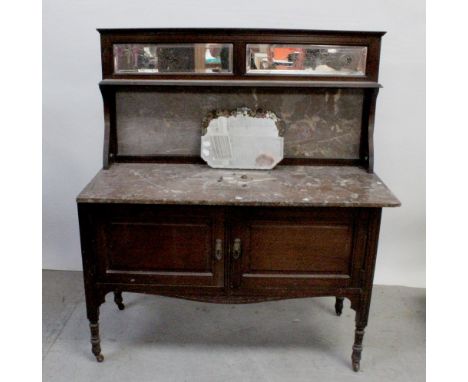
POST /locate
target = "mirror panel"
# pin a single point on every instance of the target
(242, 139)
(172, 58)
(308, 60)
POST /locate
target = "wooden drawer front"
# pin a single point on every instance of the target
(163, 246)
(293, 248)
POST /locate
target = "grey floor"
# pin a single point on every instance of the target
(163, 339)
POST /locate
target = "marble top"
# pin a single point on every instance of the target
(305, 186)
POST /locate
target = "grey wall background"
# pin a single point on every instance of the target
(73, 120)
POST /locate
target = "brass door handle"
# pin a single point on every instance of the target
(218, 249)
(236, 249)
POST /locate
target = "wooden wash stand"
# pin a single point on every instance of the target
(157, 219)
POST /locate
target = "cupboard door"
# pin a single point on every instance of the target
(292, 248)
(162, 245)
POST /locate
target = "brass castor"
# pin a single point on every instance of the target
(99, 358)
(356, 366)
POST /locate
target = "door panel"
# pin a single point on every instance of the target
(290, 248)
(286, 247)
(176, 246)
(162, 245)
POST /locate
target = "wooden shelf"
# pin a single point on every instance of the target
(243, 83)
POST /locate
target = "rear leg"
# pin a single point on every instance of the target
(119, 300)
(339, 306)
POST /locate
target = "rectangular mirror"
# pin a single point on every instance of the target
(172, 58)
(308, 60)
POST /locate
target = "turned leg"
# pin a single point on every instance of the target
(96, 341)
(94, 295)
(92, 312)
(362, 315)
(339, 306)
(118, 300)
(361, 303)
(357, 347)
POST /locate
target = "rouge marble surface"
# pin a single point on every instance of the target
(319, 123)
(306, 186)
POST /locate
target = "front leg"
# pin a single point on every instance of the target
(357, 347)
(96, 341)
(92, 309)
(93, 295)
(361, 305)
(93, 302)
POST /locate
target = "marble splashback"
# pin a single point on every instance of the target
(319, 123)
